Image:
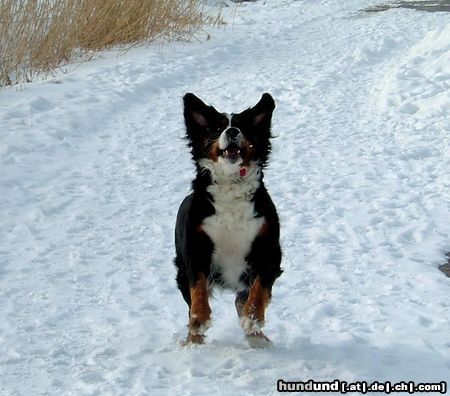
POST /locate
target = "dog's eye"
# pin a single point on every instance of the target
(214, 129)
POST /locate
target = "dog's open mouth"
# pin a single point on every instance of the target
(232, 152)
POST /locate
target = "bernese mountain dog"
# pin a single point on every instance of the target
(227, 230)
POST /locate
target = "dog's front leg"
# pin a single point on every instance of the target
(252, 313)
(199, 312)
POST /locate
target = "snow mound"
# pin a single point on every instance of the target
(419, 84)
(376, 51)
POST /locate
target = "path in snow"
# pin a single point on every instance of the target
(93, 168)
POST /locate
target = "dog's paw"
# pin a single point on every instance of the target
(194, 339)
(197, 331)
(251, 325)
(259, 340)
(197, 328)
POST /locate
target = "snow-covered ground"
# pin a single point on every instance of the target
(93, 167)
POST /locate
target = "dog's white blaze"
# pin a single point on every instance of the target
(223, 139)
(234, 226)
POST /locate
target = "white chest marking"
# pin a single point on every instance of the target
(233, 228)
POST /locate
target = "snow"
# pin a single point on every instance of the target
(93, 168)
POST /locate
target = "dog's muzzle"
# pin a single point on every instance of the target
(230, 143)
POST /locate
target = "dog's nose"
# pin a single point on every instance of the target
(233, 133)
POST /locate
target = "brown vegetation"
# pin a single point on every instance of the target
(37, 36)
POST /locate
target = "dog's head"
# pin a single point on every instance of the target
(235, 142)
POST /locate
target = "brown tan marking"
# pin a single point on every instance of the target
(200, 228)
(200, 311)
(257, 301)
(214, 150)
(264, 230)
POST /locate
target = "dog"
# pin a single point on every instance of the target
(227, 230)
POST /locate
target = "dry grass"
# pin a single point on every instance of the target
(37, 36)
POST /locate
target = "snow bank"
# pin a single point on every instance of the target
(420, 83)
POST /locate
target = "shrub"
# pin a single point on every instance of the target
(37, 36)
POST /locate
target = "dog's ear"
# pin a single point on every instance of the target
(260, 115)
(196, 112)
